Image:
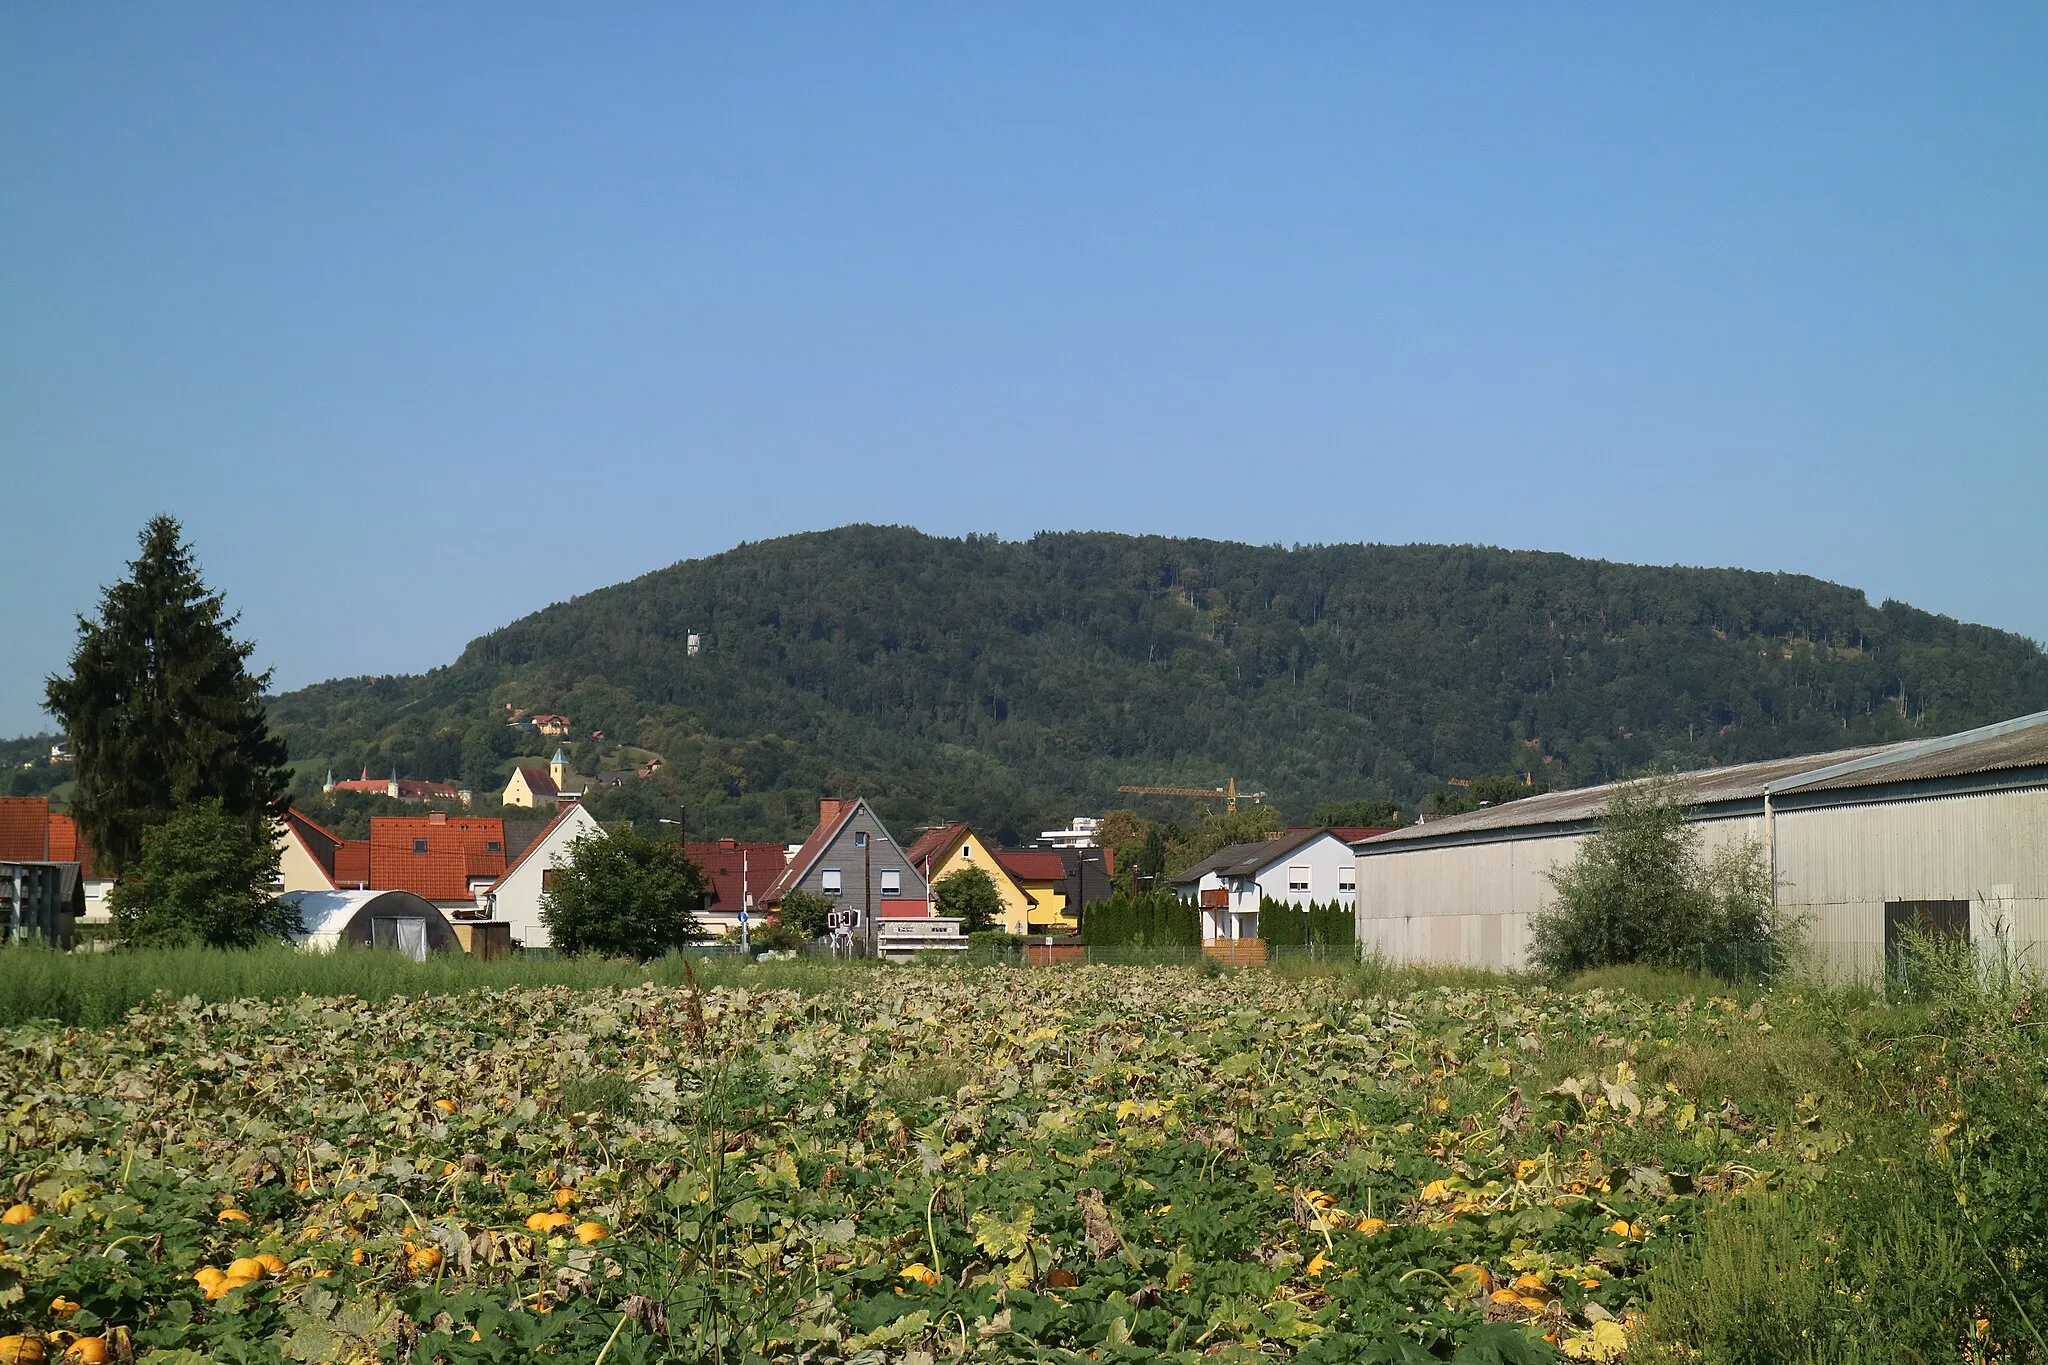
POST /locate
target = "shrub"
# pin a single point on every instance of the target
(805, 911)
(1150, 919)
(623, 895)
(204, 878)
(970, 895)
(1639, 891)
(1283, 925)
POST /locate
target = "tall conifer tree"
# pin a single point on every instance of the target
(160, 706)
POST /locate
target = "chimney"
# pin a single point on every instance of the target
(439, 817)
(728, 843)
(829, 808)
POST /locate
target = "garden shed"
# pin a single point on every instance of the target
(398, 920)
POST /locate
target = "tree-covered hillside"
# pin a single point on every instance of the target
(1017, 683)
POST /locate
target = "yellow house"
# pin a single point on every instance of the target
(1046, 878)
(940, 852)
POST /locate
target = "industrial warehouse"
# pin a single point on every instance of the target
(1950, 833)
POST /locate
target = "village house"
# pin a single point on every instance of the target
(514, 897)
(450, 860)
(737, 876)
(851, 860)
(30, 832)
(1299, 867)
(1061, 883)
(945, 849)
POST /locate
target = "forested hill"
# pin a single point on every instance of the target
(1017, 683)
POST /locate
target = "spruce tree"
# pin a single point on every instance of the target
(160, 706)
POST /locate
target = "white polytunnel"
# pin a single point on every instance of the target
(398, 920)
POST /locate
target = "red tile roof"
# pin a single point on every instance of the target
(723, 861)
(457, 849)
(24, 829)
(68, 844)
(1032, 865)
(932, 843)
(1351, 834)
(352, 863)
(897, 908)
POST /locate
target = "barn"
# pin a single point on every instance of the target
(1949, 833)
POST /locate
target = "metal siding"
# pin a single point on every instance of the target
(1839, 865)
(1472, 903)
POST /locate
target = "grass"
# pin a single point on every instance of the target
(95, 990)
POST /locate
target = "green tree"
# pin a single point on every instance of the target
(160, 705)
(623, 895)
(970, 895)
(1639, 890)
(1366, 811)
(1248, 825)
(1150, 866)
(205, 877)
(805, 911)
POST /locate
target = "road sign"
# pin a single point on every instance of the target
(743, 917)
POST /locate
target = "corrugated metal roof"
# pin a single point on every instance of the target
(1737, 782)
(2007, 745)
(2019, 743)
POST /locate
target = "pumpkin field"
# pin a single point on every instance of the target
(918, 1165)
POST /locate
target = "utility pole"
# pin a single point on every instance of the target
(867, 897)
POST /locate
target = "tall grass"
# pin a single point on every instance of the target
(96, 990)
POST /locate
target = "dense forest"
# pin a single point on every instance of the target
(1017, 683)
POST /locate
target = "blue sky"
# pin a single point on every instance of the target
(422, 317)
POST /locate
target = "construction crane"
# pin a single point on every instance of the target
(1229, 792)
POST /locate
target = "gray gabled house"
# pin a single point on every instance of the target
(852, 860)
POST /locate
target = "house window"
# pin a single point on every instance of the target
(967, 850)
(493, 846)
(1297, 881)
(860, 838)
(892, 882)
(828, 881)
(1347, 881)
(547, 879)
(419, 845)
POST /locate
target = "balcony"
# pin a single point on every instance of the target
(1216, 899)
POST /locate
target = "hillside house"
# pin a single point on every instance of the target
(945, 849)
(398, 788)
(852, 860)
(1300, 867)
(1866, 844)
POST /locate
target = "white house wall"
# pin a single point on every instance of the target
(518, 895)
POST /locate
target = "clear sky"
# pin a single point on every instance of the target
(424, 316)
